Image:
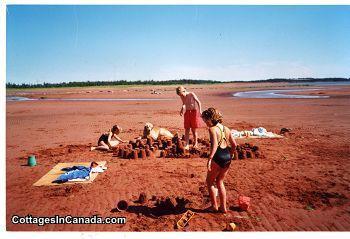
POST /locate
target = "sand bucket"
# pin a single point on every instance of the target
(122, 205)
(31, 161)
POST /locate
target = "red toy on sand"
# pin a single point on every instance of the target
(243, 203)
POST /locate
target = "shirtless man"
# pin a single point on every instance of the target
(192, 116)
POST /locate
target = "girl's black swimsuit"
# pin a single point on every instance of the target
(104, 138)
(222, 156)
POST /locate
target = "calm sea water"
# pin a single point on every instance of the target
(276, 94)
(280, 94)
(17, 98)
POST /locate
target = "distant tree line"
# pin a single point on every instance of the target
(168, 82)
(110, 83)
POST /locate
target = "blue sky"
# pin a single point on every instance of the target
(80, 43)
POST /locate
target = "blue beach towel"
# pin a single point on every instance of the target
(74, 172)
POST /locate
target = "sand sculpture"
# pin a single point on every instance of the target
(166, 148)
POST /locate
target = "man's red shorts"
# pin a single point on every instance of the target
(192, 119)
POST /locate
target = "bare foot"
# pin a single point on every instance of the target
(224, 211)
(212, 209)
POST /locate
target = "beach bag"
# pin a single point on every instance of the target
(243, 202)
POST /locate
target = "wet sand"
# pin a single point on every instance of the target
(302, 183)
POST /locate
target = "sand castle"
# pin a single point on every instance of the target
(174, 148)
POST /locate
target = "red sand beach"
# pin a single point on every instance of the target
(301, 184)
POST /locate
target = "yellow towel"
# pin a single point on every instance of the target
(56, 171)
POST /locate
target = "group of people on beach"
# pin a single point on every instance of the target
(221, 149)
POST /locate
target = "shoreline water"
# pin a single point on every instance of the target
(277, 94)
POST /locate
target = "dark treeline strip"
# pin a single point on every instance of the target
(169, 82)
(110, 83)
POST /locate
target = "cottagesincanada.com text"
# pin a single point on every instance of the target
(68, 219)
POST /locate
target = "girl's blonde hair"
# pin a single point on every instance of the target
(213, 115)
(116, 129)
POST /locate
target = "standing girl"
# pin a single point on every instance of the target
(221, 152)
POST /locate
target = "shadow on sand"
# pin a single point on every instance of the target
(156, 211)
